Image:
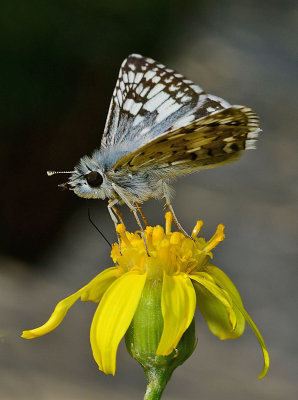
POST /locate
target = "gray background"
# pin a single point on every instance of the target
(245, 52)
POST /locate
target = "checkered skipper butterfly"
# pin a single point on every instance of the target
(159, 126)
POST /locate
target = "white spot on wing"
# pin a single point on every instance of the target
(136, 108)
(131, 106)
(138, 77)
(166, 104)
(227, 149)
(143, 94)
(210, 109)
(196, 88)
(131, 76)
(149, 75)
(172, 88)
(250, 144)
(139, 88)
(156, 101)
(229, 139)
(194, 149)
(158, 88)
(170, 109)
(128, 104)
(156, 79)
(178, 162)
(183, 122)
(119, 97)
(185, 98)
(252, 135)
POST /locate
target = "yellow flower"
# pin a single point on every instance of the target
(187, 279)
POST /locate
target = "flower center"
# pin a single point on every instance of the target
(170, 252)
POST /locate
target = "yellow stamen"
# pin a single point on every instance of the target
(197, 229)
(158, 234)
(169, 220)
(122, 232)
(175, 238)
(216, 238)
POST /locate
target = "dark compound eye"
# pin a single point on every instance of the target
(94, 179)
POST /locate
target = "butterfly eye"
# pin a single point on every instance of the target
(94, 179)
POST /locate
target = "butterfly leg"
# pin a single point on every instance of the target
(134, 211)
(166, 195)
(142, 214)
(112, 211)
(119, 215)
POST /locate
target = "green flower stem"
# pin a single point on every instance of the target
(157, 380)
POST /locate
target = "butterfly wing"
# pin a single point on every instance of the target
(218, 138)
(150, 99)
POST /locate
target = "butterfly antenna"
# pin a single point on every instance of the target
(98, 230)
(51, 173)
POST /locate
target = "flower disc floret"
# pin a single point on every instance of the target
(169, 252)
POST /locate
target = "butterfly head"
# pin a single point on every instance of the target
(87, 180)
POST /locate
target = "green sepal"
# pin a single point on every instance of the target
(143, 336)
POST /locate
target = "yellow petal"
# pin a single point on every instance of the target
(92, 291)
(113, 317)
(217, 292)
(260, 339)
(96, 288)
(222, 280)
(216, 315)
(55, 319)
(178, 303)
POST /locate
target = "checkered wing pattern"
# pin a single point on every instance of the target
(149, 100)
(215, 139)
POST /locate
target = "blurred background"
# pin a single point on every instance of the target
(60, 61)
